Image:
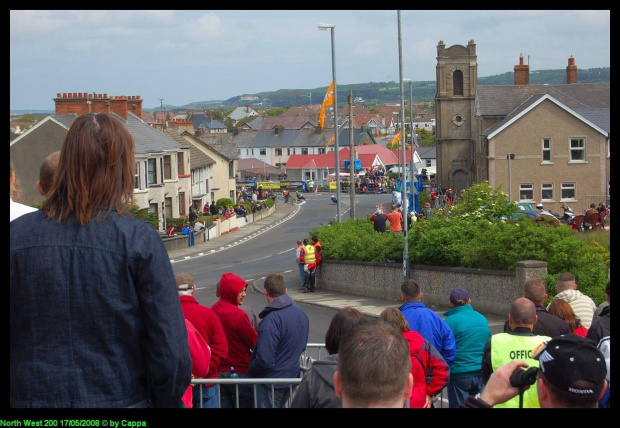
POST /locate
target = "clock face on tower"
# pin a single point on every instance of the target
(458, 120)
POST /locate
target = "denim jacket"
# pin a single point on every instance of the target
(95, 318)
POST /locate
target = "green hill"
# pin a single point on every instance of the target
(379, 93)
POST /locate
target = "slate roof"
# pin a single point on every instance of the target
(307, 110)
(298, 138)
(501, 100)
(427, 152)
(254, 124)
(148, 139)
(197, 156)
(221, 143)
(201, 119)
(288, 122)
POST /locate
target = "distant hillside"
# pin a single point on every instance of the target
(379, 93)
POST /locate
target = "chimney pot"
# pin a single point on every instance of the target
(105, 95)
(571, 71)
(75, 95)
(58, 95)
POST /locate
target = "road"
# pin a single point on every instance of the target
(274, 252)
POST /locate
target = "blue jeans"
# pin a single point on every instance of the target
(209, 397)
(302, 274)
(460, 389)
(228, 393)
(280, 396)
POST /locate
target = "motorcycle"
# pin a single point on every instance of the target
(334, 199)
(568, 215)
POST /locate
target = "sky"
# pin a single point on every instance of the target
(176, 57)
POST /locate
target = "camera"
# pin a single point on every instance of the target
(521, 377)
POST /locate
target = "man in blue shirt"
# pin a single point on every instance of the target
(425, 321)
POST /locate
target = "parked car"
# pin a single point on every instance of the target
(525, 213)
(525, 206)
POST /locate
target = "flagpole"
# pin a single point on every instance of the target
(332, 27)
(403, 140)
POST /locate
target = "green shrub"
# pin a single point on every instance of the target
(224, 202)
(472, 235)
(146, 214)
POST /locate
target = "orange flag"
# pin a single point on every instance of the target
(327, 101)
(398, 137)
(331, 140)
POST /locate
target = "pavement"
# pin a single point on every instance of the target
(284, 212)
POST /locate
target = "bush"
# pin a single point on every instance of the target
(473, 236)
(146, 214)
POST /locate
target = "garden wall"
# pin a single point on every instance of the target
(491, 291)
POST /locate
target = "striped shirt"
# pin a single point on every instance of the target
(582, 305)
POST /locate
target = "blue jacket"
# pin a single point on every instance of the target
(431, 327)
(471, 331)
(95, 317)
(282, 337)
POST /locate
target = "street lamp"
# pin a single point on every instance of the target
(413, 140)
(403, 139)
(332, 27)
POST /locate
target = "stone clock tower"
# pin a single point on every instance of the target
(457, 79)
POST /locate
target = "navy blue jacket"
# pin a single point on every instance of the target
(95, 317)
(282, 337)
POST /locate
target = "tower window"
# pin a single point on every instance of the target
(457, 82)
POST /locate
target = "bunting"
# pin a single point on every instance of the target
(327, 102)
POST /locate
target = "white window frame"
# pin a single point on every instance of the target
(546, 150)
(546, 187)
(568, 188)
(263, 152)
(529, 188)
(137, 179)
(574, 148)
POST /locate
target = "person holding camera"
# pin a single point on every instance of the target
(517, 344)
(571, 375)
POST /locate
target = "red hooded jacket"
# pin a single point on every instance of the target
(429, 357)
(240, 334)
(200, 353)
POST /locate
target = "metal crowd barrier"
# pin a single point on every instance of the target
(313, 352)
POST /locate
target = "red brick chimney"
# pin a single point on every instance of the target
(522, 73)
(83, 103)
(571, 71)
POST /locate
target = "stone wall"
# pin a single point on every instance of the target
(492, 290)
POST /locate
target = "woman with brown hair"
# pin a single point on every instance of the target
(564, 310)
(95, 319)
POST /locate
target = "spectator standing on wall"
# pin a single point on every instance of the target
(282, 338)
(471, 332)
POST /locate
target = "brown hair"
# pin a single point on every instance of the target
(275, 285)
(396, 318)
(47, 170)
(341, 323)
(96, 171)
(410, 289)
(535, 291)
(15, 191)
(564, 310)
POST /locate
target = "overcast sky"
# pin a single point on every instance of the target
(186, 56)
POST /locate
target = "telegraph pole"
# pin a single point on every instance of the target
(351, 155)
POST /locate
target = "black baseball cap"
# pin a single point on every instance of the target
(569, 358)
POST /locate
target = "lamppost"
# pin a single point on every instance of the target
(402, 140)
(413, 140)
(332, 27)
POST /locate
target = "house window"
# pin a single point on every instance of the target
(137, 175)
(577, 149)
(167, 170)
(546, 192)
(247, 152)
(263, 152)
(546, 149)
(232, 195)
(304, 150)
(428, 162)
(180, 163)
(568, 191)
(181, 204)
(168, 207)
(239, 152)
(152, 171)
(278, 152)
(293, 150)
(252, 152)
(457, 82)
(231, 171)
(526, 192)
(288, 151)
(321, 150)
